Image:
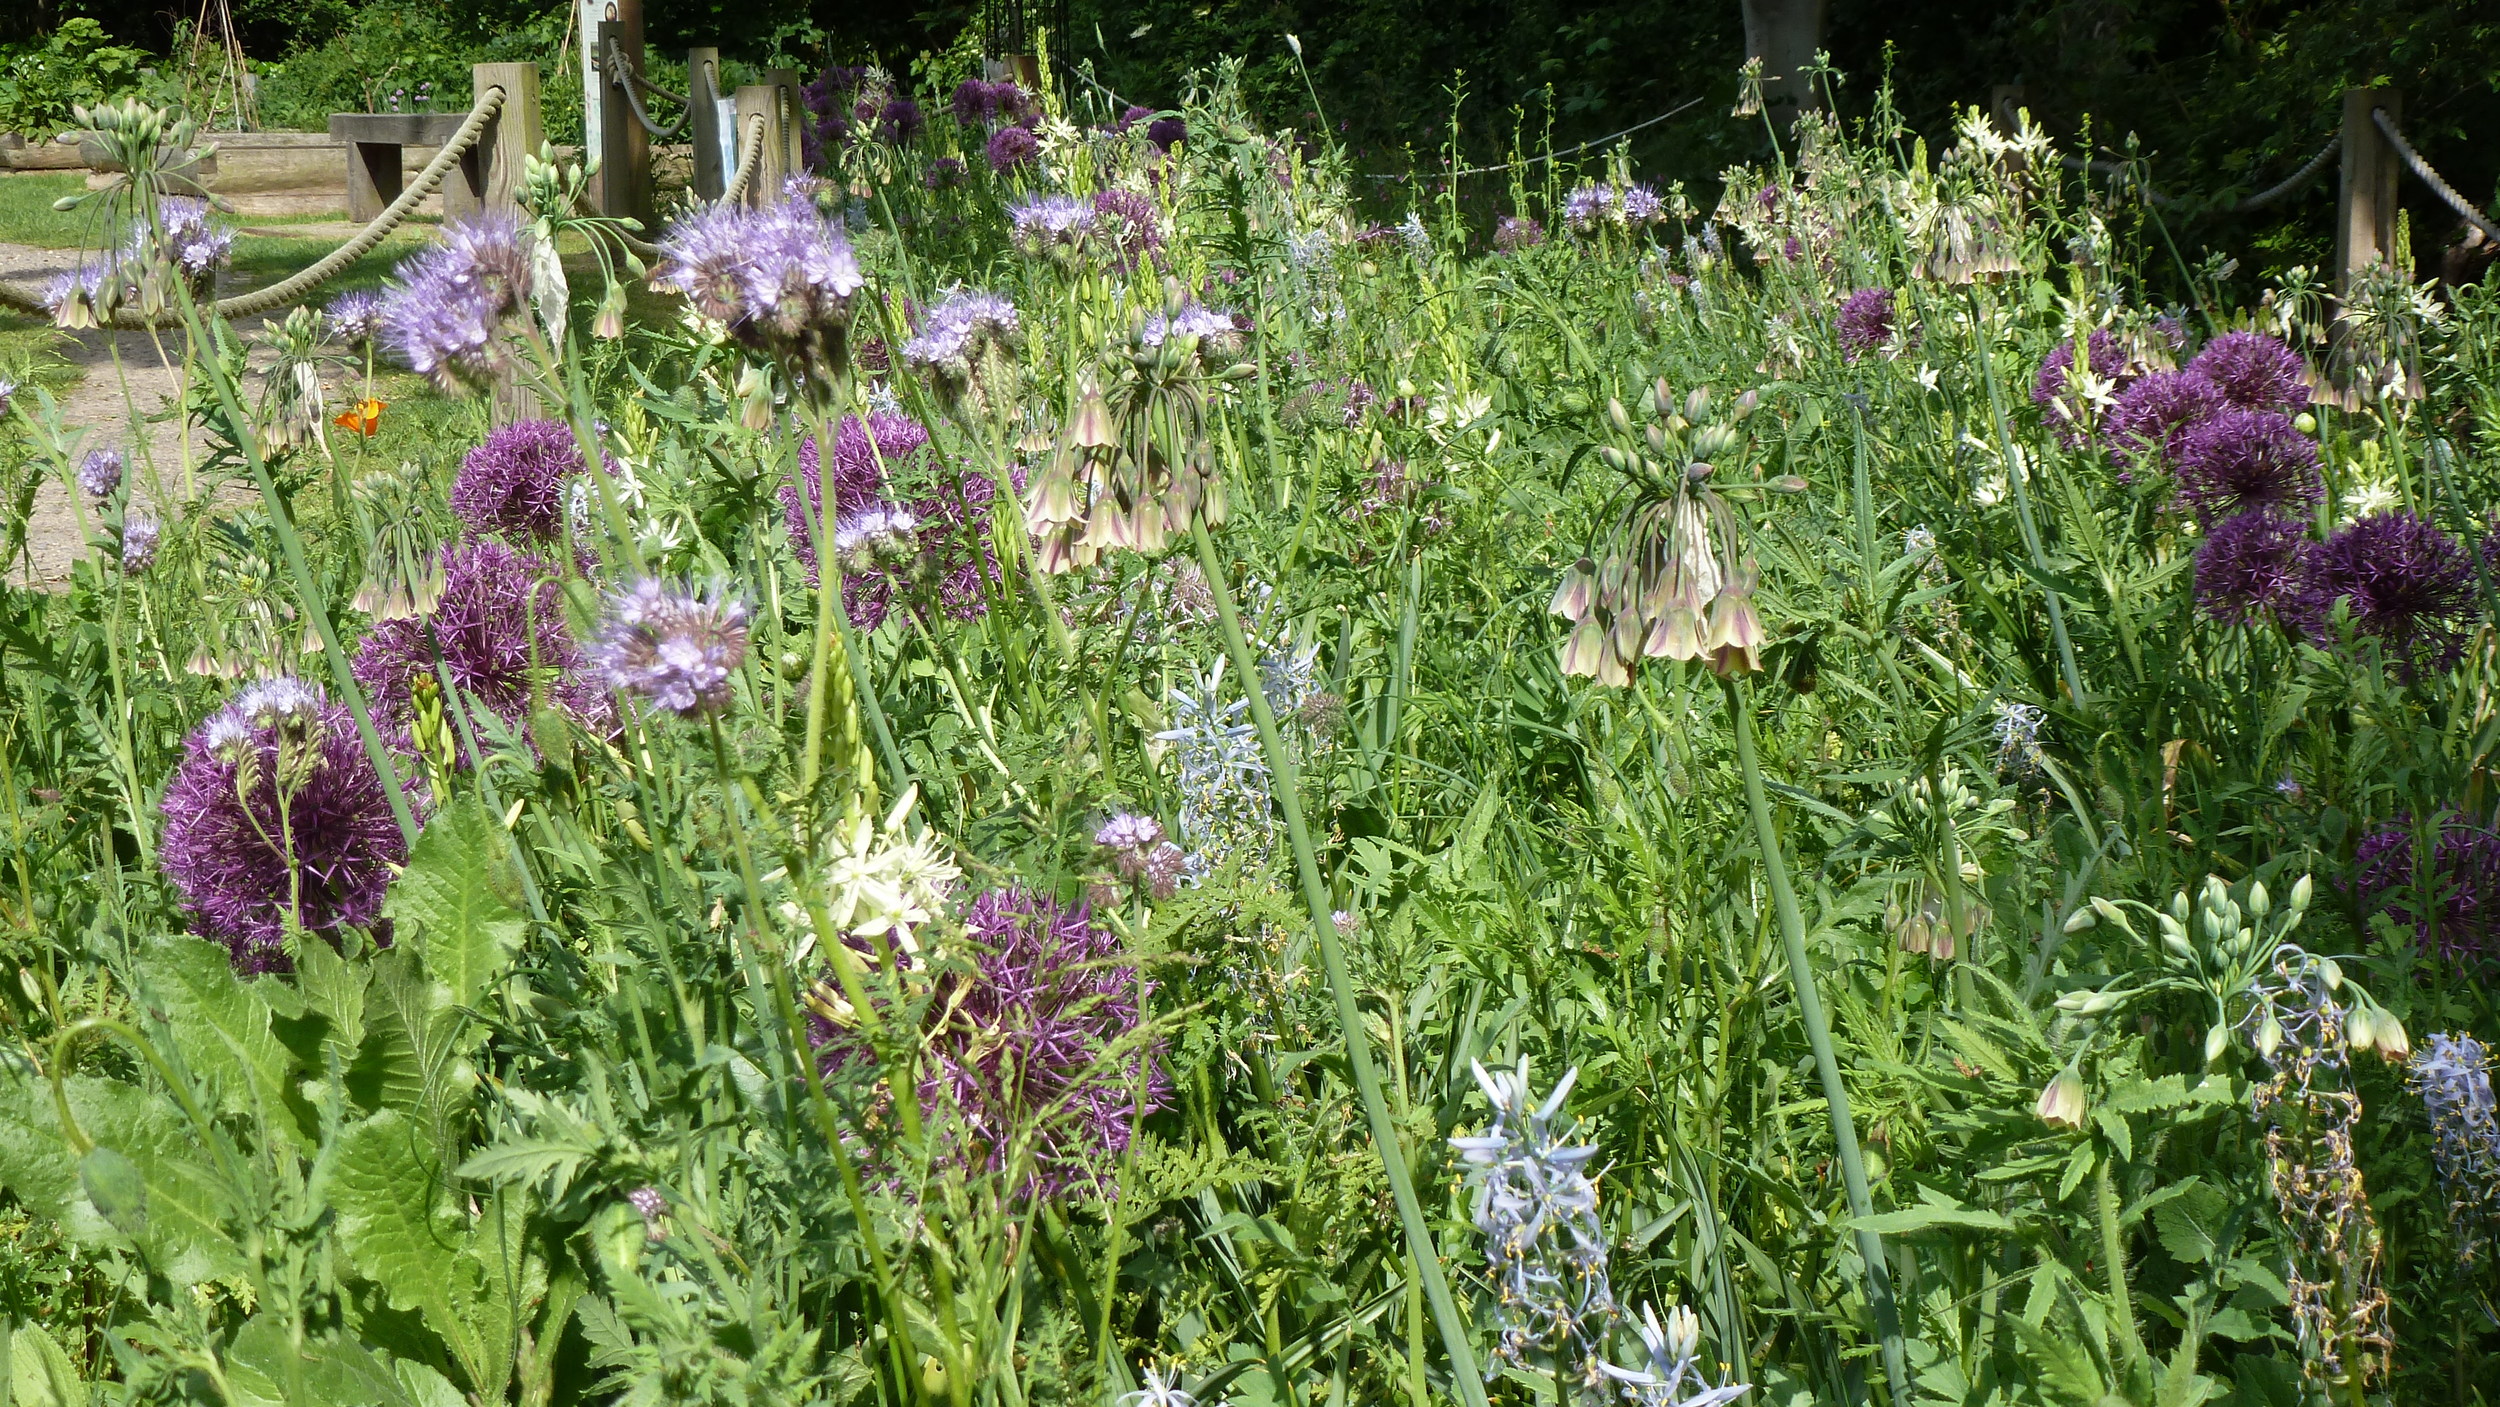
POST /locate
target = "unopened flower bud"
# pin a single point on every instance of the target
(2061, 1103)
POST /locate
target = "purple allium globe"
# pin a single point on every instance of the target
(943, 174)
(512, 486)
(1167, 132)
(899, 121)
(2254, 371)
(1864, 322)
(2406, 583)
(2250, 565)
(780, 278)
(2461, 883)
(498, 629)
(1017, 1052)
(2235, 460)
(139, 534)
(675, 649)
(354, 317)
(228, 841)
(1131, 221)
(446, 309)
(2155, 412)
(100, 472)
(1512, 233)
(1011, 147)
(934, 550)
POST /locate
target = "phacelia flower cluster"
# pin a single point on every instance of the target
(675, 649)
(100, 473)
(1512, 233)
(354, 317)
(448, 308)
(1603, 205)
(274, 818)
(1050, 225)
(780, 279)
(955, 334)
(1140, 855)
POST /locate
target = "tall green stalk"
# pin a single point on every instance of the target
(1819, 1037)
(2014, 476)
(1464, 1379)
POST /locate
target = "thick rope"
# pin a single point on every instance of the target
(750, 154)
(2125, 174)
(621, 74)
(2431, 178)
(2294, 181)
(304, 281)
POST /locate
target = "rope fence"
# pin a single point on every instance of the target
(621, 74)
(750, 155)
(2439, 186)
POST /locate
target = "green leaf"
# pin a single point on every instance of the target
(1932, 1212)
(188, 1205)
(40, 1374)
(2188, 1225)
(220, 1033)
(456, 902)
(117, 1190)
(411, 1058)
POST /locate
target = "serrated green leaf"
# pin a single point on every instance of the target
(188, 1208)
(2189, 1224)
(2114, 1127)
(2148, 1096)
(1933, 1212)
(456, 903)
(413, 1057)
(2078, 1166)
(218, 1027)
(40, 1374)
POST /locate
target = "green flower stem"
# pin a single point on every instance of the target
(1464, 1379)
(2014, 476)
(2114, 1256)
(1819, 1037)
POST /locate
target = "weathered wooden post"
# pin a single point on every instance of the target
(776, 102)
(512, 137)
(709, 128)
(623, 185)
(2365, 205)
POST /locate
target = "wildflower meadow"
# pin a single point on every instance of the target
(1063, 764)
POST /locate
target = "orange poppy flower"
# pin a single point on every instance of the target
(364, 417)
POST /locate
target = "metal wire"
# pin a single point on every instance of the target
(2439, 187)
(2122, 172)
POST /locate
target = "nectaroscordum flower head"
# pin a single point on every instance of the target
(447, 308)
(675, 649)
(275, 811)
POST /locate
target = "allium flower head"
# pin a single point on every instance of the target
(943, 174)
(100, 473)
(1864, 322)
(2254, 371)
(2156, 411)
(513, 485)
(2249, 565)
(1130, 219)
(899, 121)
(2452, 1074)
(2458, 882)
(354, 317)
(2060, 391)
(446, 309)
(2405, 582)
(1167, 132)
(935, 549)
(2235, 460)
(498, 629)
(676, 649)
(1011, 147)
(139, 534)
(1512, 233)
(274, 812)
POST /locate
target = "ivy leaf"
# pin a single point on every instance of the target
(454, 902)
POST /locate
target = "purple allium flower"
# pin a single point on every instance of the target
(354, 317)
(2250, 564)
(1167, 132)
(1512, 233)
(934, 548)
(2109, 363)
(1642, 205)
(2254, 371)
(445, 310)
(139, 534)
(1864, 322)
(943, 174)
(2234, 460)
(2461, 878)
(976, 103)
(1012, 147)
(2156, 411)
(2405, 582)
(954, 331)
(1135, 114)
(498, 629)
(781, 278)
(1132, 222)
(512, 486)
(1587, 207)
(899, 121)
(100, 472)
(1050, 222)
(245, 855)
(677, 649)
(1017, 1048)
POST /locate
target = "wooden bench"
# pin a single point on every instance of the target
(373, 141)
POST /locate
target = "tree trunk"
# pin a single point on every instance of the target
(1784, 34)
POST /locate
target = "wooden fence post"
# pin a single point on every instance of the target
(513, 137)
(776, 100)
(2365, 206)
(705, 123)
(623, 185)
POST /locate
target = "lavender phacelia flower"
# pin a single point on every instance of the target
(1011, 147)
(953, 333)
(192, 243)
(447, 307)
(498, 629)
(2452, 1074)
(275, 811)
(140, 530)
(2405, 583)
(2235, 460)
(1512, 233)
(100, 473)
(675, 649)
(75, 297)
(512, 486)
(1641, 204)
(1588, 207)
(2250, 565)
(780, 279)
(2459, 885)
(1047, 224)
(2254, 371)
(1864, 322)
(2156, 411)
(354, 317)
